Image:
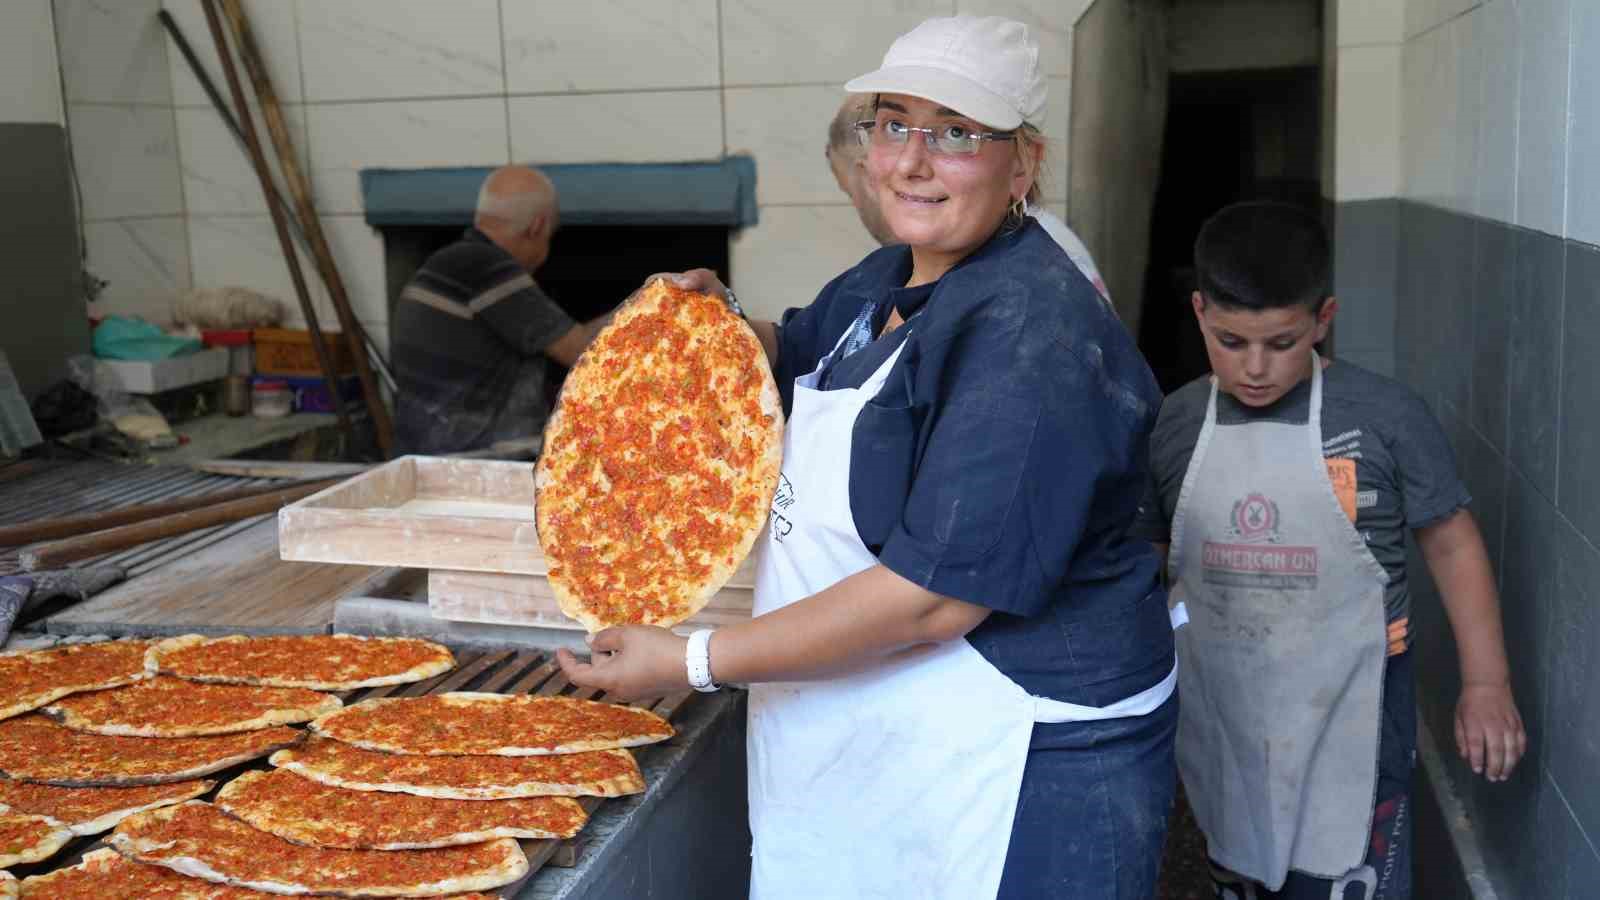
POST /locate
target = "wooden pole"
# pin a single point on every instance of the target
(221, 106)
(300, 190)
(56, 554)
(67, 526)
(291, 257)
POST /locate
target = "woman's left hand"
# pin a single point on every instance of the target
(631, 663)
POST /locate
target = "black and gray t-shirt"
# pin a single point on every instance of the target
(469, 333)
(1405, 472)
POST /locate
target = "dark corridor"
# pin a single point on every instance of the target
(1230, 136)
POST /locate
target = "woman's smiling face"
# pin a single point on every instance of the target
(949, 204)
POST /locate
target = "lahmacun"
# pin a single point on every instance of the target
(34, 748)
(91, 810)
(31, 679)
(596, 773)
(168, 707)
(105, 874)
(306, 812)
(467, 723)
(200, 840)
(29, 839)
(322, 662)
(659, 461)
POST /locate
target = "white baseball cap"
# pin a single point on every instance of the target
(984, 67)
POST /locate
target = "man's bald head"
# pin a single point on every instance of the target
(517, 209)
(514, 196)
(842, 141)
(848, 160)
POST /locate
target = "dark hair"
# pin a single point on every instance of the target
(1262, 256)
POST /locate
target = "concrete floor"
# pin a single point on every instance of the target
(1183, 867)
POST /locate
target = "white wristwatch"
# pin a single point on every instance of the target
(697, 659)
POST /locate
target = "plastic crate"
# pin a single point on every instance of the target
(311, 394)
(288, 351)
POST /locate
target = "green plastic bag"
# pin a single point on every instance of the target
(121, 337)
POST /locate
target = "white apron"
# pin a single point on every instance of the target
(1284, 655)
(899, 781)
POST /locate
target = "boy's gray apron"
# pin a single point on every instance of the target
(1282, 662)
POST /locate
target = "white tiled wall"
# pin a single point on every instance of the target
(558, 46)
(347, 137)
(1500, 115)
(28, 65)
(415, 83)
(1545, 46)
(387, 49)
(144, 262)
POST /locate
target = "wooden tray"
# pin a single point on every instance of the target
(527, 600)
(423, 512)
(470, 523)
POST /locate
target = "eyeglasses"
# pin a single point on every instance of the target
(955, 140)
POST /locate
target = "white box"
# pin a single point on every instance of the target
(155, 376)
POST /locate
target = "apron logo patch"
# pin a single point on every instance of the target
(1254, 520)
(781, 501)
(1255, 557)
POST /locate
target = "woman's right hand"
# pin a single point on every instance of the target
(704, 281)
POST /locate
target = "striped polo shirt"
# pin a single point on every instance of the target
(468, 337)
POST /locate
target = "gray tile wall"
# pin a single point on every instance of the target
(1496, 326)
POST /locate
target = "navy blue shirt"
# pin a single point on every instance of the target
(1004, 460)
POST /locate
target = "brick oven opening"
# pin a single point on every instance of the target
(620, 223)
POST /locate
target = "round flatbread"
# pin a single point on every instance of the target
(200, 840)
(322, 662)
(597, 773)
(28, 839)
(9, 888)
(466, 723)
(34, 748)
(105, 874)
(168, 707)
(659, 462)
(91, 810)
(298, 809)
(34, 678)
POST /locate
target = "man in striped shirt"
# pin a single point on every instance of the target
(476, 342)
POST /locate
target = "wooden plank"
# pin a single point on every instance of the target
(237, 586)
(527, 600)
(263, 468)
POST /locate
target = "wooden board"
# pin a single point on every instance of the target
(499, 599)
(421, 511)
(238, 585)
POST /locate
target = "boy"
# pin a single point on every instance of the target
(1284, 486)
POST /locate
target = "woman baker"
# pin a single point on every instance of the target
(961, 667)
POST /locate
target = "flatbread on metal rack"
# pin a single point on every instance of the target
(105, 874)
(202, 841)
(298, 809)
(597, 773)
(168, 707)
(28, 839)
(323, 662)
(659, 461)
(468, 723)
(91, 810)
(31, 679)
(34, 748)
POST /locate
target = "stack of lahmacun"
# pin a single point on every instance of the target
(386, 798)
